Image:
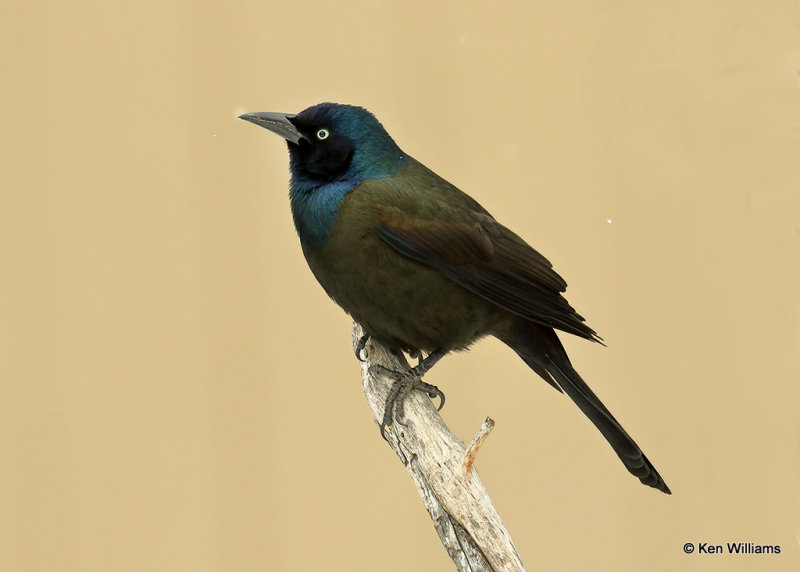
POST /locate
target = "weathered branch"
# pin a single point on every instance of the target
(441, 467)
(477, 441)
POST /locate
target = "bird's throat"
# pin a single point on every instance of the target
(315, 209)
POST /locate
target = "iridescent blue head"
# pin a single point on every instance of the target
(332, 142)
(332, 149)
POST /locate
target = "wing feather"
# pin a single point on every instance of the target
(486, 258)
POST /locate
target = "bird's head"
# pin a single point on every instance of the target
(333, 142)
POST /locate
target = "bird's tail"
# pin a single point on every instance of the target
(540, 348)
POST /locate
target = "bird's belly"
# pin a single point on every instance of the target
(401, 302)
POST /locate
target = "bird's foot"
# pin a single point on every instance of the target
(404, 383)
(361, 345)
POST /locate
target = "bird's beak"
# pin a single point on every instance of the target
(277, 123)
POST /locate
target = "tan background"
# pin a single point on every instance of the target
(170, 372)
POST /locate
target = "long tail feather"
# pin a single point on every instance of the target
(540, 348)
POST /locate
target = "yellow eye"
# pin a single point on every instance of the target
(323, 134)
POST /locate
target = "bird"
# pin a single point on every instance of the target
(422, 266)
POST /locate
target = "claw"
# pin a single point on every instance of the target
(361, 345)
(440, 394)
(404, 383)
(432, 391)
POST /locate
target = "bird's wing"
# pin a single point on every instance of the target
(457, 237)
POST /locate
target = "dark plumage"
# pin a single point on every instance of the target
(421, 265)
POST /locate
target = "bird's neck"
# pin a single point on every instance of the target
(315, 204)
(315, 208)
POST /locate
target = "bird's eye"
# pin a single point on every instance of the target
(323, 134)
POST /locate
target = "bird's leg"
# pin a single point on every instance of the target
(404, 383)
(361, 345)
(425, 365)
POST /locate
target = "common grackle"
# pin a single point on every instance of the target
(422, 266)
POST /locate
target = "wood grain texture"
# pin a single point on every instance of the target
(462, 511)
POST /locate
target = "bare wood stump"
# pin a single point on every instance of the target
(441, 467)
